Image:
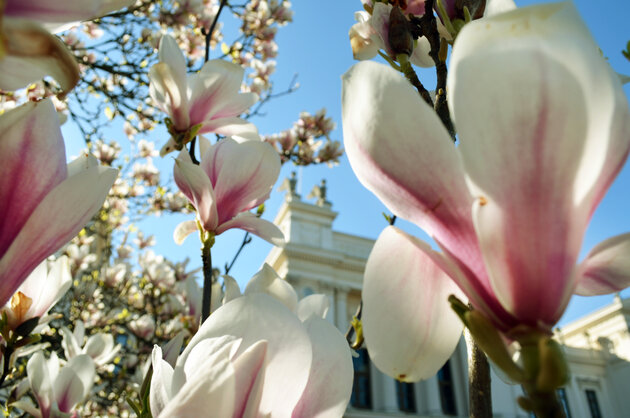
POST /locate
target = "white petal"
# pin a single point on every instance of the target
(606, 269)
(409, 327)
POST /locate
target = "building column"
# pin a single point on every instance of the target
(341, 309)
(431, 403)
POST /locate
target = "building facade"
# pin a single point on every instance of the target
(318, 259)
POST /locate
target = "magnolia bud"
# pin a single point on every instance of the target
(399, 34)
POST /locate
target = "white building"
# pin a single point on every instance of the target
(317, 259)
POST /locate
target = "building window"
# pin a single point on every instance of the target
(593, 405)
(447, 390)
(405, 392)
(562, 395)
(361, 387)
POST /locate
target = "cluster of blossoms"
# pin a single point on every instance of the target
(302, 144)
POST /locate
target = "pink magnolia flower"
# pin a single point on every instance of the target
(231, 179)
(544, 129)
(260, 354)
(43, 202)
(30, 52)
(207, 101)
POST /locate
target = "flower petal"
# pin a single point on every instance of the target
(74, 382)
(182, 231)
(410, 330)
(399, 150)
(240, 186)
(317, 305)
(267, 281)
(195, 184)
(249, 375)
(29, 130)
(160, 393)
(544, 139)
(329, 386)
(606, 269)
(58, 218)
(261, 317)
(251, 223)
(32, 54)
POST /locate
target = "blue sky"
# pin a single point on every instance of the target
(316, 48)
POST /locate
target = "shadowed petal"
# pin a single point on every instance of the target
(410, 330)
(33, 53)
(329, 386)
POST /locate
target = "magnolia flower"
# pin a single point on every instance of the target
(207, 101)
(43, 202)
(261, 354)
(39, 292)
(30, 52)
(231, 179)
(544, 129)
(57, 389)
(143, 327)
(99, 347)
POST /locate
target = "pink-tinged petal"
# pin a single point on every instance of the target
(313, 305)
(33, 53)
(58, 218)
(606, 269)
(39, 377)
(409, 327)
(210, 384)
(240, 186)
(160, 393)
(215, 95)
(267, 281)
(170, 54)
(329, 386)
(231, 76)
(196, 186)
(62, 10)
(182, 231)
(558, 34)
(249, 373)
(74, 382)
(32, 162)
(400, 151)
(251, 223)
(169, 95)
(261, 317)
(538, 140)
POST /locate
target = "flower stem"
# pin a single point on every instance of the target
(479, 390)
(206, 258)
